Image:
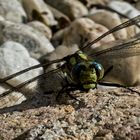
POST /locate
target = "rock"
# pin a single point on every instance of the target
(12, 99)
(109, 20)
(13, 58)
(89, 3)
(58, 37)
(41, 28)
(38, 10)
(124, 8)
(10, 52)
(137, 5)
(73, 9)
(63, 20)
(12, 11)
(36, 43)
(81, 31)
(107, 114)
(1, 18)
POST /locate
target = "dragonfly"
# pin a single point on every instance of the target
(82, 72)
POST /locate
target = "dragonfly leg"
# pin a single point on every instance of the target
(107, 71)
(118, 85)
(70, 95)
(67, 89)
(60, 92)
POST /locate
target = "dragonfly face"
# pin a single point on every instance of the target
(82, 71)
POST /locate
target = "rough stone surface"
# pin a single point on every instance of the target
(102, 114)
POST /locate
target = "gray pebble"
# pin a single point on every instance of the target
(72, 8)
(41, 28)
(35, 42)
(81, 31)
(124, 8)
(38, 10)
(13, 58)
(12, 10)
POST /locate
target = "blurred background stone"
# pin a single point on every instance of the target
(41, 28)
(12, 11)
(124, 8)
(36, 42)
(13, 58)
(37, 9)
(73, 9)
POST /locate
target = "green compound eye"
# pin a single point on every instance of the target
(99, 69)
(77, 69)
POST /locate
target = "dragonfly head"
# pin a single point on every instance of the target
(88, 74)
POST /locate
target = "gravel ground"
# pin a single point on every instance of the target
(102, 114)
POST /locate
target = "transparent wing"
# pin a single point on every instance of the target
(30, 68)
(18, 87)
(12, 88)
(119, 27)
(128, 23)
(127, 49)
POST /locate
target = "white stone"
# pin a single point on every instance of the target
(85, 30)
(72, 8)
(42, 9)
(1, 18)
(12, 10)
(41, 28)
(109, 20)
(124, 8)
(13, 58)
(35, 42)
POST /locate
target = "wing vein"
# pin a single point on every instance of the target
(16, 88)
